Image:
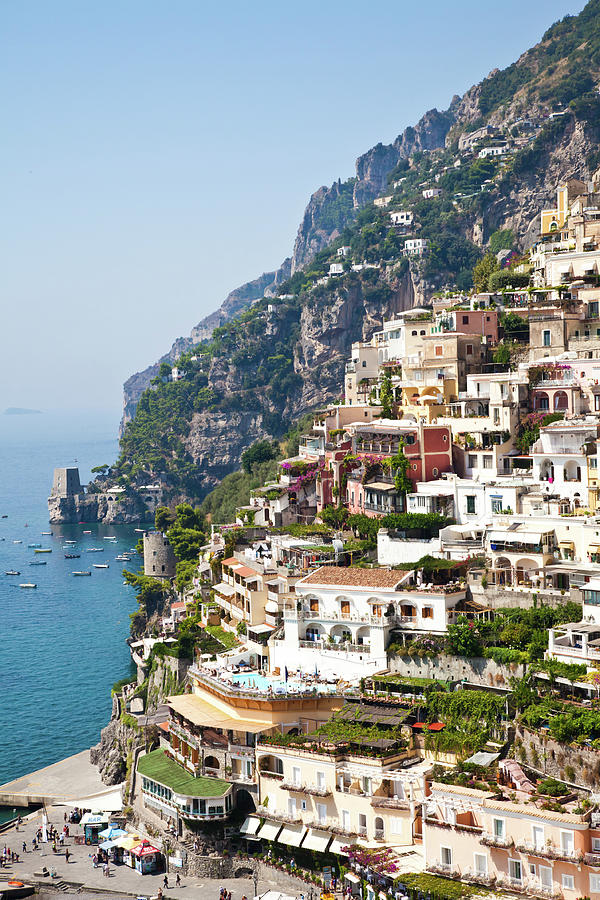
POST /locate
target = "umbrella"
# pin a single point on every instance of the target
(113, 831)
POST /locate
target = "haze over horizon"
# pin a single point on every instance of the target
(156, 157)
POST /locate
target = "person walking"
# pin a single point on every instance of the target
(166, 881)
(178, 880)
(24, 846)
(67, 855)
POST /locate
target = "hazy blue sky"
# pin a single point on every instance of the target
(155, 155)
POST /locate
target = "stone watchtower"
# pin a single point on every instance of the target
(159, 559)
(66, 483)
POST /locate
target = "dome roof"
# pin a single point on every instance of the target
(271, 606)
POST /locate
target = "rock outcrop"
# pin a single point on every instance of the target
(97, 508)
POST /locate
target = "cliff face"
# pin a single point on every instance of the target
(96, 508)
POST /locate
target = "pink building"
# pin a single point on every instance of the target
(485, 838)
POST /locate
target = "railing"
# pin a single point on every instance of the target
(494, 840)
(438, 868)
(239, 750)
(549, 851)
(592, 859)
(346, 789)
(389, 803)
(482, 878)
(266, 773)
(379, 834)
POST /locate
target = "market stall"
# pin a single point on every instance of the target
(93, 824)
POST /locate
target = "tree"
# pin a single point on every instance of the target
(516, 328)
(100, 469)
(386, 397)
(482, 271)
(503, 239)
(502, 355)
(258, 452)
(164, 370)
(507, 278)
(163, 518)
(464, 638)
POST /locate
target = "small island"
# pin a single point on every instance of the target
(21, 411)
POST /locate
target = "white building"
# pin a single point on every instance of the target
(416, 246)
(342, 619)
(430, 193)
(560, 458)
(401, 217)
(336, 268)
(382, 201)
(487, 152)
(343, 251)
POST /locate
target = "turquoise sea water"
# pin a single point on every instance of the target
(63, 644)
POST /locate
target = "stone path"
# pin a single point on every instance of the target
(80, 873)
(69, 779)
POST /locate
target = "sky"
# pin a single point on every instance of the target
(155, 155)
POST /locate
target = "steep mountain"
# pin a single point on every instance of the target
(487, 164)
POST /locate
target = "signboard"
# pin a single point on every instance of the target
(327, 875)
(176, 861)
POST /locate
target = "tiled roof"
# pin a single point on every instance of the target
(230, 561)
(531, 810)
(349, 577)
(462, 790)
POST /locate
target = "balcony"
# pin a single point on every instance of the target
(389, 803)
(495, 840)
(346, 789)
(472, 877)
(445, 869)
(379, 834)
(592, 859)
(549, 851)
(266, 773)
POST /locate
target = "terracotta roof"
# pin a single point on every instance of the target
(464, 791)
(523, 810)
(230, 561)
(349, 577)
(246, 572)
(164, 726)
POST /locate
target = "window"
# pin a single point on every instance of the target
(546, 338)
(496, 416)
(292, 806)
(427, 612)
(322, 812)
(414, 333)
(346, 819)
(594, 884)
(446, 853)
(296, 775)
(472, 461)
(439, 351)
(321, 780)
(465, 320)
(421, 501)
(567, 842)
(364, 364)
(595, 843)
(366, 786)
(596, 402)
(435, 472)
(593, 462)
(469, 349)
(514, 869)
(537, 832)
(499, 828)
(481, 863)
(496, 505)
(345, 607)
(487, 462)
(545, 876)
(314, 604)
(422, 332)
(568, 882)
(471, 511)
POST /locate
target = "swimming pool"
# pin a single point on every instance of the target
(279, 685)
(255, 679)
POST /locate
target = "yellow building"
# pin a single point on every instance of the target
(553, 219)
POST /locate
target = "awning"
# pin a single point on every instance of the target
(94, 819)
(200, 712)
(260, 629)
(269, 831)
(566, 544)
(226, 589)
(337, 846)
(316, 840)
(291, 835)
(380, 486)
(108, 845)
(350, 876)
(482, 758)
(517, 537)
(250, 825)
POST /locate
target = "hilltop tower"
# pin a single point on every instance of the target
(66, 483)
(159, 559)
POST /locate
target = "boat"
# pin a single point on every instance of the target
(44, 550)
(17, 542)
(69, 542)
(123, 558)
(140, 530)
(28, 585)
(33, 546)
(81, 573)
(95, 549)
(72, 555)
(111, 537)
(101, 565)
(12, 573)
(45, 533)
(87, 532)
(5, 516)
(40, 562)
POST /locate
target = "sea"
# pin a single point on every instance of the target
(62, 644)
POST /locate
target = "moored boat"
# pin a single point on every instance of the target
(11, 572)
(28, 585)
(72, 555)
(33, 546)
(95, 549)
(101, 565)
(81, 573)
(43, 550)
(40, 562)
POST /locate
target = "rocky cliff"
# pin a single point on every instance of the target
(265, 366)
(97, 507)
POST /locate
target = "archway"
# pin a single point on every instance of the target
(211, 762)
(340, 634)
(408, 612)
(314, 633)
(561, 401)
(503, 571)
(245, 801)
(572, 471)
(379, 830)
(526, 571)
(547, 470)
(363, 635)
(541, 400)
(270, 764)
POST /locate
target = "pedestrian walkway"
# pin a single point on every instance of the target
(79, 871)
(73, 778)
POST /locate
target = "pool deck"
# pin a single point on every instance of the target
(69, 779)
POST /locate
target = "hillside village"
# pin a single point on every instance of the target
(387, 667)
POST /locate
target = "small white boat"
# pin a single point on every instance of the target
(111, 537)
(140, 530)
(39, 562)
(12, 572)
(69, 542)
(81, 573)
(28, 585)
(87, 532)
(101, 565)
(95, 549)
(43, 550)
(46, 532)
(17, 542)
(34, 546)
(123, 558)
